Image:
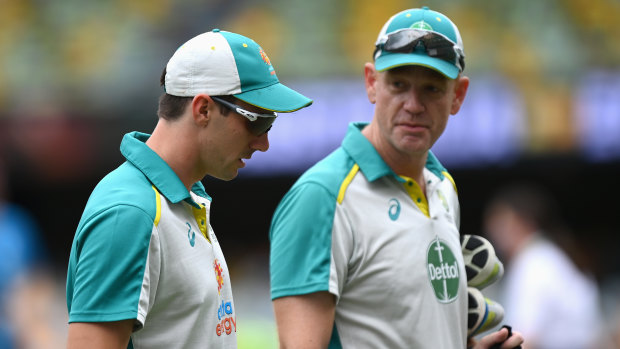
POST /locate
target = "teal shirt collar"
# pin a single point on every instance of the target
(369, 160)
(135, 150)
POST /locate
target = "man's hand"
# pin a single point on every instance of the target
(502, 336)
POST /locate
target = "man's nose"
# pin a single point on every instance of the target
(261, 143)
(413, 102)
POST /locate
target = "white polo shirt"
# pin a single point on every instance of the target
(352, 227)
(144, 250)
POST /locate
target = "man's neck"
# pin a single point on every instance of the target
(409, 165)
(172, 145)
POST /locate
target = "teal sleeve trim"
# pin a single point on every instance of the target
(301, 238)
(107, 265)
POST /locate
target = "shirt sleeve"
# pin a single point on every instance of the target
(301, 241)
(107, 265)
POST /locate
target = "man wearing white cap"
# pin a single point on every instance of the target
(146, 269)
(365, 247)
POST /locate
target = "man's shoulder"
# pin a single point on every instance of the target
(329, 172)
(124, 186)
(125, 179)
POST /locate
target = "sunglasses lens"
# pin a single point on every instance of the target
(260, 126)
(435, 45)
(403, 41)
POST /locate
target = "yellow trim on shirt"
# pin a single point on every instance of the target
(200, 214)
(416, 194)
(158, 204)
(346, 182)
(445, 173)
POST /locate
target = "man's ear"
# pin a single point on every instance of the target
(460, 90)
(202, 107)
(370, 78)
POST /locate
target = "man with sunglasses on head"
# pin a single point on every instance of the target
(365, 247)
(146, 269)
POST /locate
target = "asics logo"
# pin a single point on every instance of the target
(191, 236)
(394, 209)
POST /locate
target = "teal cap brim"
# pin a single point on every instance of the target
(392, 60)
(276, 97)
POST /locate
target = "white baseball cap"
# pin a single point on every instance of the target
(223, 63)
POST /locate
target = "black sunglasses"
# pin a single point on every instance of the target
(257, 123)
(435, 44)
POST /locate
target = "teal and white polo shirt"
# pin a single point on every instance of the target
(144, 250)
(392, 258)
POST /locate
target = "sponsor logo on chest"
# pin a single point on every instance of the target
(443, 271)
(227, 323)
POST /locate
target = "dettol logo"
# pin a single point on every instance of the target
(443, 271)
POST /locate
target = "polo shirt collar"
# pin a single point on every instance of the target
(370, 162)
(135, 150)
(364, 153)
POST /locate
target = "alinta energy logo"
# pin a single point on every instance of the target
(226, 319)
(219, 275)
(443, 271)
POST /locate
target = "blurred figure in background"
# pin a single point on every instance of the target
(544, 293)
(20, 252)
(28, 293)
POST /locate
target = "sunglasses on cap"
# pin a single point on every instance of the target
(435, 44)
(257, 123)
